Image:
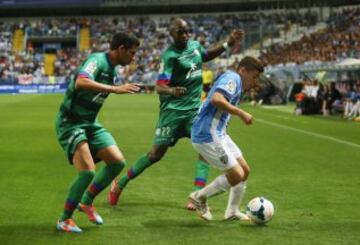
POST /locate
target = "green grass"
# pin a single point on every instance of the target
(310, 174)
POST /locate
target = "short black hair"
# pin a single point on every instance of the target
(122, 38)
(251, 63)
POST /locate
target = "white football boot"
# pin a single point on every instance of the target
(235, 215)
(201, 206)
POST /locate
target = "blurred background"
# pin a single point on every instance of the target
(311, 48)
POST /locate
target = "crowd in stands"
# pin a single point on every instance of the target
(28, 66)
(52, 27)
(341, 39)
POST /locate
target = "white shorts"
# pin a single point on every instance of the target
(221, 154)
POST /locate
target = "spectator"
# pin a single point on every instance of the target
(332, 96)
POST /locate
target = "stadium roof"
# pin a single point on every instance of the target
(21, 8)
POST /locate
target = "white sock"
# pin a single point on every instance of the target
(236, 194)
(217, 186)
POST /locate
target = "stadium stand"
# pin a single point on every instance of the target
(28, 57)
(43, 50)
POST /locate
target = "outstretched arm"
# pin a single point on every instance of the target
(234, 37)
(89, 84)
(220, 102)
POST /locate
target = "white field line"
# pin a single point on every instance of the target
(278, 125)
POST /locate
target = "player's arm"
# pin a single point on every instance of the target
(164, 80)
(85, 83)
(174, 91)
(234, 37)
(220, 102)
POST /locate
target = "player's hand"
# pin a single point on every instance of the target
(247, 118)
(126, 88)
(178, 91)
(235, 36)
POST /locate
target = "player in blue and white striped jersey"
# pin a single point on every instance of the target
(209, 138)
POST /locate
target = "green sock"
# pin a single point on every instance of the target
(140, 165)
(201, 175)
(102, 179)
(76, 191)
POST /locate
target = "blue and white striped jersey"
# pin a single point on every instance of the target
(211, 123)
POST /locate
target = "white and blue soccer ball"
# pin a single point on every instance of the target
(260, 210)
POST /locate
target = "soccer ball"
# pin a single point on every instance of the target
(260, 210)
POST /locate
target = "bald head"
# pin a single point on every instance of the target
(177, 23)
(180, 32)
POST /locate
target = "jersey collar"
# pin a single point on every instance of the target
(108, 60)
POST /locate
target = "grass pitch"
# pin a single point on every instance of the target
(309, 167)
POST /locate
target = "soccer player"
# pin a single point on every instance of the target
(209, 138)
(179, 86)
(84, 140)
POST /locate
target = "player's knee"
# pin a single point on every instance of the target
(88, 174)
(156, 155)
(122, 163)
(246, 172)
(237, 179)
(119, 165)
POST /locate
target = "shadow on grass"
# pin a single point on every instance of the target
(38, 233)
(198, 223)
(124, 207)
(165, 223)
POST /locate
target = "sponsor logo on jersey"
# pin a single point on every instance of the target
(196, 52)
(194, 71)
(100, 98)
(190, 55)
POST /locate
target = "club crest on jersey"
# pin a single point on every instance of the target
(231, 86)
(91, 67)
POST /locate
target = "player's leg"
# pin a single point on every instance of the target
(146, 160)
(201, 173)
(202, 168)
(201, 176)
(143, 162)
(84, 164)
(221, 156)
(237, 192)
(221, 184)
(115, 162)
(165, 136)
